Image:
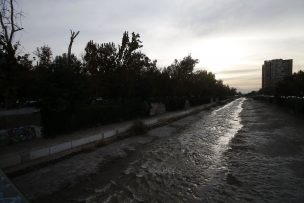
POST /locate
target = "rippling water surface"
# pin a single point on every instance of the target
(180, 167)
(245, 151)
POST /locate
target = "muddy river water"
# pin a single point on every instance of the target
(244, 151)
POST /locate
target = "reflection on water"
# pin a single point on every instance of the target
(234, 123)
(244, 151)
(176, 168)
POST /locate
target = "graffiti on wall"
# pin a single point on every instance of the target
(21, 134)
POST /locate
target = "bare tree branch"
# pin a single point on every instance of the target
(9, 27)
(12, 21)
(3, 27)
(73, 36)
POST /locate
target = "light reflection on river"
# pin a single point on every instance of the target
(245, 151)
(177, 168)
(230, 130)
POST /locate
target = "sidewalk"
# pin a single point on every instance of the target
(22, 155)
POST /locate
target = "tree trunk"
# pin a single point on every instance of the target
(73, 36)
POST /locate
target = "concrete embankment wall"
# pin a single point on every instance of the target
(20, 160)
(19, 125)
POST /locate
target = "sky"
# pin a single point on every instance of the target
(231, 38)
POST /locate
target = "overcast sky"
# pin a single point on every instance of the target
(231, 38)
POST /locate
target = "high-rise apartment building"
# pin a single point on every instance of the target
(274, 71)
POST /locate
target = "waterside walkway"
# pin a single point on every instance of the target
(23, 155)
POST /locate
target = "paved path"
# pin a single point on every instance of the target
(20, 155)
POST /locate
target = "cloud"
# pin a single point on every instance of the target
(217, 16)
(235, 71)
(229, 37)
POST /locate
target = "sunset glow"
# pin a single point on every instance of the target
(224, 35)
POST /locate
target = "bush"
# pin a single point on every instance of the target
(138, 128)
(55, 122)
(67, 121)
(195, 101)
(174, 103)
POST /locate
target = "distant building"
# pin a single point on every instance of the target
(274, 71)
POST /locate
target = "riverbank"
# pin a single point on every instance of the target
(188, 160)
(24, 156)
(290, 103)
(163, 154)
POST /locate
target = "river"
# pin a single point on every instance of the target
(244, 151)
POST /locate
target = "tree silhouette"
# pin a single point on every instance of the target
(291, 86)
(9, 27)
(11, 73)
(44, 55)
(112, 83)
(72, 38)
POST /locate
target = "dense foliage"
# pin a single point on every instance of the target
(292, 86)
(111, 83)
